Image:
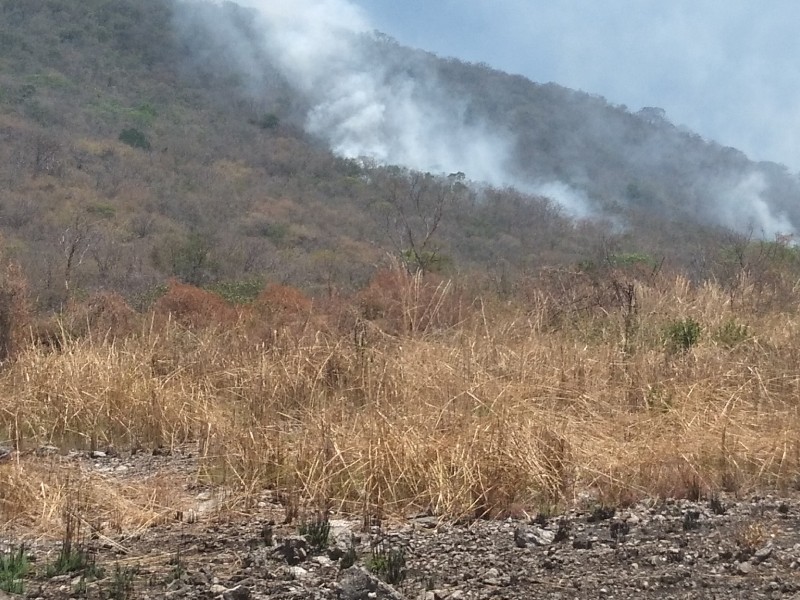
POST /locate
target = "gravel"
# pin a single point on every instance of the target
(722, 548)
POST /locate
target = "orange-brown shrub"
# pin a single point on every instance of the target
(402, 303)
(276, 298)
(280, 311)
(15, 313)
(103, 315)
(282, 304)
(194, 307)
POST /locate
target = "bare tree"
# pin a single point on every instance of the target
(75, 242)
(413, 207)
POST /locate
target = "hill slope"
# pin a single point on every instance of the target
(137, 143)
(367, 95)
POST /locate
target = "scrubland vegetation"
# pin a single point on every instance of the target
(185, 267)
(416, 392)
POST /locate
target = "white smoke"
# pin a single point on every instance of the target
(742, 206)
(574, 201)
(366, 107)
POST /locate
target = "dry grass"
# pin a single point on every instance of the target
(489, 407)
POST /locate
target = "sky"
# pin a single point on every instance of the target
(727, 69)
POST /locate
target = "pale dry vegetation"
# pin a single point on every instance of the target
(441, 399)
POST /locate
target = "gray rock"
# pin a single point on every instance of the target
(240, 592)
(744, 568)
(426, 522)
(762, 554)
(46, 450)
(533, 535)
(322, 561)
(343, 540)
(298, 572)
(492, 577)
(356, 583)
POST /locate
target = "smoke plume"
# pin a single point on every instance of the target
(367, 97)
(742, 204)
(363, 101)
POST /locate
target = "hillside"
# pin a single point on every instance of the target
(136, 146)
(365, 94)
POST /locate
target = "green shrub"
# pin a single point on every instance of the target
(144, 114)
(389, 565)
(122, 582)
(681, 335)
(268, 121)
(316, 532)
(277, 233)
(731, 334)
(627, 259)
(239, 292)
(144, 300)
(189, 258)
(13, 569)
(134, 138)
(104, 211)
(74, 555)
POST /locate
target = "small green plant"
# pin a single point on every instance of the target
(74, 560)
(145, 300)
(134, 138)
(104, 211)
(657, 397)
(627, 259)
(73, 556)
(178, 566)
(144, 114)
(389, 565)
(681, 335)
(716, 505)
(122, 582)
(731, 334)
(13, 569)
(316, 532)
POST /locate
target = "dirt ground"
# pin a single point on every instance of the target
(718, 547)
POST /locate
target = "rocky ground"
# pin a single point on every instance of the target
(712, 548)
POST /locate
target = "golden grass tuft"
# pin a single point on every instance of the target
(36, 494)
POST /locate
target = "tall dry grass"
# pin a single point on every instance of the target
(464, 408)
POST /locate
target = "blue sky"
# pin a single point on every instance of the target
(726, 69)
